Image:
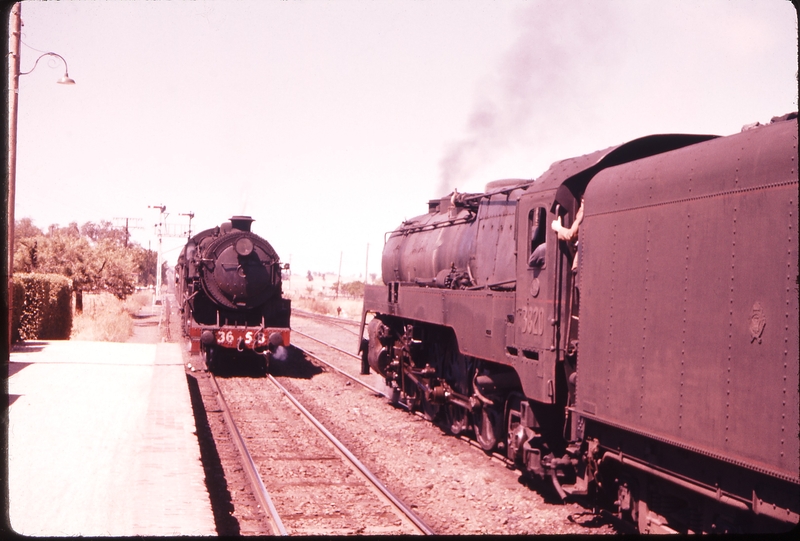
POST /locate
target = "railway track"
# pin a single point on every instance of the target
(348, 325)
(335, 351)
(361, 380)
(323, 317)
(307, 481)
(455, 488)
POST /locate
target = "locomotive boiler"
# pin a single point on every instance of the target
(625, 325)
(230, 289)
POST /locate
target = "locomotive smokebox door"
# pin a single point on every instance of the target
(242, 273)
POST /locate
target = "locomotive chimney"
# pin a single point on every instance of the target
(242, 223)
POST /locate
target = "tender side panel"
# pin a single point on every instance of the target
(611, 316)
(689, 310)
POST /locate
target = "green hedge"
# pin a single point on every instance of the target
(42, 307)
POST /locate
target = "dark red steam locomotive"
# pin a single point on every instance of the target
(624, 326)
(230, 293)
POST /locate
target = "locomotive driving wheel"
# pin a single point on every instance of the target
(456, 370)
(411, 394)
(429, 410)
(488, 426)
(456, 419)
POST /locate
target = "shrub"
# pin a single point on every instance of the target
(105, 318)
(42, 307)
(137, 301)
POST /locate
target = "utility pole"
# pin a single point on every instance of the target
(160, 227)
(366, 267)
(118, 223)
(339, 281)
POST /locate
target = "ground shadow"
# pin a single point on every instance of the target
(246, 365)
(31, 346)
(216, 484)
(14, 367)
(592, 518)
(297, 366)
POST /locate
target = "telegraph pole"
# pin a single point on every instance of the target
(160, 226)
(127, 226)
(339, 281)
(366, 267)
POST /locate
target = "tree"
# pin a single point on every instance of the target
(352, 289)
(24, 229)
(93, 256)
(105, 230)
(146, 262)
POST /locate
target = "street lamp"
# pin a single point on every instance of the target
(64, 80)
(13, 101)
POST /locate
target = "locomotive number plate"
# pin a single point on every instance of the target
(232, 337)
(532, 320)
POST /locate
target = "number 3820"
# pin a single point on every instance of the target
(532, 320)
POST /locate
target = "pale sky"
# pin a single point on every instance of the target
(332, 122)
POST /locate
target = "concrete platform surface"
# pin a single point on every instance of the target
(101, 442)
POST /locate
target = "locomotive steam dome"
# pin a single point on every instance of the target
(239, 267)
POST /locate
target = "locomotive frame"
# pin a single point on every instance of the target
(230, 287)
(662, 371)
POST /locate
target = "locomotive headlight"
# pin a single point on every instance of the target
(275, 339)
(244, 246)
(207, 338)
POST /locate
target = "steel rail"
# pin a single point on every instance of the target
(327, 344)
(502, 458)
(312, 315)
(494, 454)
(261, 494)
(420, 525)
(339, 370)
(336, 322)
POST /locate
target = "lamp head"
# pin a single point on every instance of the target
(66, 80)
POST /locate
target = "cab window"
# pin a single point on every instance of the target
(537, 229)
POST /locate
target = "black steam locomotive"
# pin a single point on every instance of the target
(623, 327)
(229, 288)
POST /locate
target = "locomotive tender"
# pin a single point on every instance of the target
(653, 362)
(230, 294)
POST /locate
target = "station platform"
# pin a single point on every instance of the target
(102, 442)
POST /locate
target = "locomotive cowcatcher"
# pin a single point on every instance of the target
(230, 293)
(624, 327)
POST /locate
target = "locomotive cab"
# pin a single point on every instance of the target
(534, 338)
